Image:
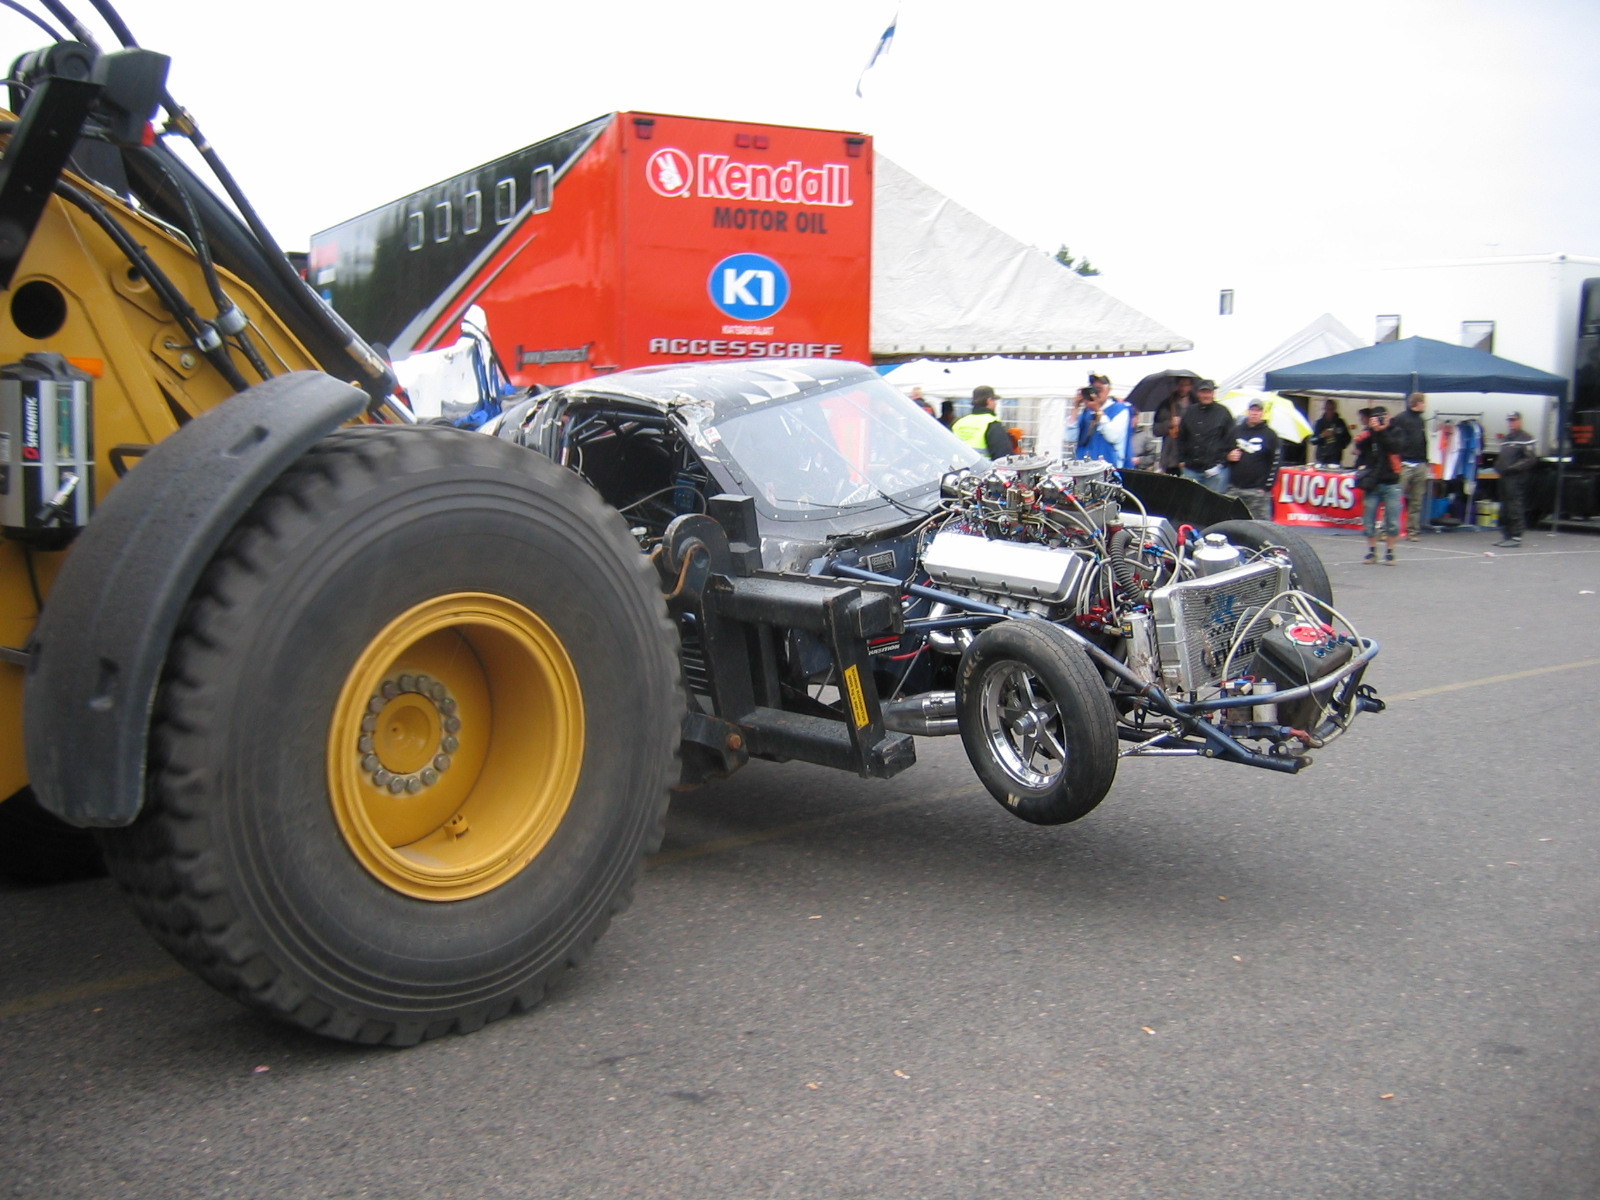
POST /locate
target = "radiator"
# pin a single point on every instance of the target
(1198, 620)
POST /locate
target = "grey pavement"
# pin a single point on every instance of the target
(1375, 979)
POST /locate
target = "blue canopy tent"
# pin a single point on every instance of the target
(1416, 364)
(1419, 364)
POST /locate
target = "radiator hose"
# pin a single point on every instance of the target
(1122, 568)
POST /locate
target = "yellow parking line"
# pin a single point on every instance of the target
(39, 1001)
(1487, 680)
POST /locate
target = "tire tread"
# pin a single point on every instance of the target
(162, 862)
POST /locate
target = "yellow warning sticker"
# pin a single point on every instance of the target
(858, 702)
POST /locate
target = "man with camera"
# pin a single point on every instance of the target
(1378, 464)
(1105, 423)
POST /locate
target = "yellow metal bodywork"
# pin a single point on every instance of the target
(455, 746)
(116, 327)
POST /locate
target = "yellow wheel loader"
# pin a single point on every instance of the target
(373, 722)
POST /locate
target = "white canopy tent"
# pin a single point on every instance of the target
(1323, 337)
(1035, 394)
(947, 284)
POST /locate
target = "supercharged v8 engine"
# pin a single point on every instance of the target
(1066, 542)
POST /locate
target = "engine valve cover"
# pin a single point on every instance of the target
(1016, 569)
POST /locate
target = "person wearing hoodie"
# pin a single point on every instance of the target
(1253, 462)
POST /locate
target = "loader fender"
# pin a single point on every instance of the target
(97, 652)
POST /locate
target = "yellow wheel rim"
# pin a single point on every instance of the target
(455, 746)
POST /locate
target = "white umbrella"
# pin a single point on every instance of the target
(1283, 418)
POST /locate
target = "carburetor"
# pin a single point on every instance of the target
(1030, 498)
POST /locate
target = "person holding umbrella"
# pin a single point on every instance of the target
(1168, 414)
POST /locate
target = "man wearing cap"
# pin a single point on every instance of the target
(1205, 435)
(1253, 462)
(981, 429)
(1518, 456)
(1104, 425)
(1411, 435)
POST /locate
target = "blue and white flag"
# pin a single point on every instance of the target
(878, 51)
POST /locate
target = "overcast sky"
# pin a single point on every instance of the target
(1162, 138)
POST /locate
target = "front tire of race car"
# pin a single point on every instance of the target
(1037, 724)
(388, 795)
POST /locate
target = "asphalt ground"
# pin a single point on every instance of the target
(1374, 979)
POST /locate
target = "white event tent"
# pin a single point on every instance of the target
(946, 284)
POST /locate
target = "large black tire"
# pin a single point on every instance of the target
(37, 847)
(1306, 571)
(414, 737)
(1038, 726)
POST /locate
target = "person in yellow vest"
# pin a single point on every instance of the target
(981, 429)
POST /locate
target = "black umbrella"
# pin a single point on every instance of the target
(1151, 392)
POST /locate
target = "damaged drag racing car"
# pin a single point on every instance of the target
(846, 575)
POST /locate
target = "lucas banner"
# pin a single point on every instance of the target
(1319, 499)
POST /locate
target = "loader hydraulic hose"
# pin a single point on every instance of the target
(171, 298)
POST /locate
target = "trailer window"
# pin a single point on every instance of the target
(442, 222)
(415, 234)
(543, 188)
(472, 212)
(505, 201)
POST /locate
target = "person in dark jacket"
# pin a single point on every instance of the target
(1518, 456)
(1253, 462)
(1330, 435)
(1412, 431)
(1205, 435)
(1378, 461)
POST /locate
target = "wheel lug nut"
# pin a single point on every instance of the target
(376, 705)
(364, 744)
(389, 689)
(408, 683)
(449, 745)
(447, 705)
(370, 764)
(452, 724)
(413, 785)
(369, 722)
(429, 777)
(396, 786)
(437, 692)
(381, 777)
(442, 761)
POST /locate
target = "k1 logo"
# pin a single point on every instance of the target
(749, 287)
